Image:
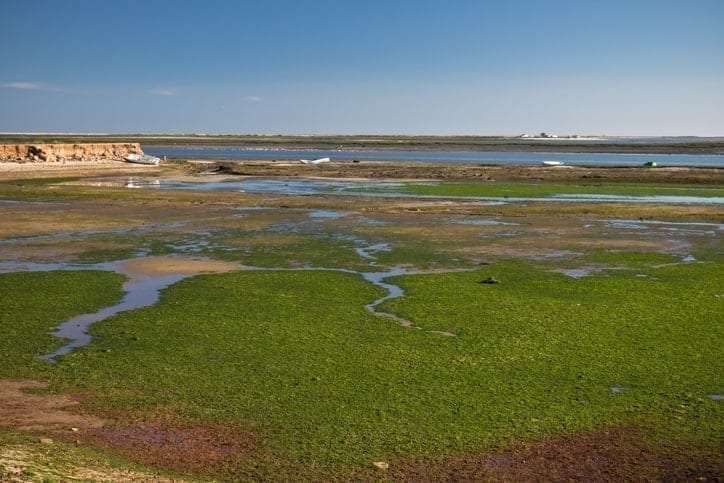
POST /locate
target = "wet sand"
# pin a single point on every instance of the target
(9, 171)
(461, 172)
(166, 265)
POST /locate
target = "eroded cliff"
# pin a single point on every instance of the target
(54, 153)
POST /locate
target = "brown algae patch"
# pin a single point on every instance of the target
(615, 454)
(162, 442)
(166, 444)
(51, 413)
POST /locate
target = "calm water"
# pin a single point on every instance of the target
(490, 157)
(375, 188)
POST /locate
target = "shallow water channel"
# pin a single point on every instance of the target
(140, 290)
(376, 188)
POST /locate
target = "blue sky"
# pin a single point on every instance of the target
(636, 67)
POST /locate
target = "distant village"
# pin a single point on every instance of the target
(544, 135)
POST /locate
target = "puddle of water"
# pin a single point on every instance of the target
(619, 389)
(679, 227)
(328, 214)
(716, 397)
(589, 270)
(142, 183)
(577, 272)
(480, 222)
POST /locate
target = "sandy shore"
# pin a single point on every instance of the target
(72, 169)
(462, 172)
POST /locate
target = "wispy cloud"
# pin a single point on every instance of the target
(27, 86)
(162, 91)
(253, 99)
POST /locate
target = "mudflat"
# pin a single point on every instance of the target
(595, 356)
(372, 170)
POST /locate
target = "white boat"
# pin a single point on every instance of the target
(314, 161)
(142, 159)
(553, 163)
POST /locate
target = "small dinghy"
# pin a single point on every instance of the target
(142, 159)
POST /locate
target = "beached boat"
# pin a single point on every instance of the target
(142, 159)
(314, 161)
(553, 163)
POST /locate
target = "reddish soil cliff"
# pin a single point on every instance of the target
(53, 153)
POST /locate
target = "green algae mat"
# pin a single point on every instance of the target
(322, 388)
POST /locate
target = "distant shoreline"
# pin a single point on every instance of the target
(587, 144)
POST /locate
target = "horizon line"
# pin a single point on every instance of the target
(536, 136)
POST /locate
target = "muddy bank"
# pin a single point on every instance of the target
(108, 164)
(459, 172)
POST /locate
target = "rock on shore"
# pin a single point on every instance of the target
(59, 153)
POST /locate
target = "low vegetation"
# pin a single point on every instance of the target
(34, 303)
(544, 190)
(327, 388)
